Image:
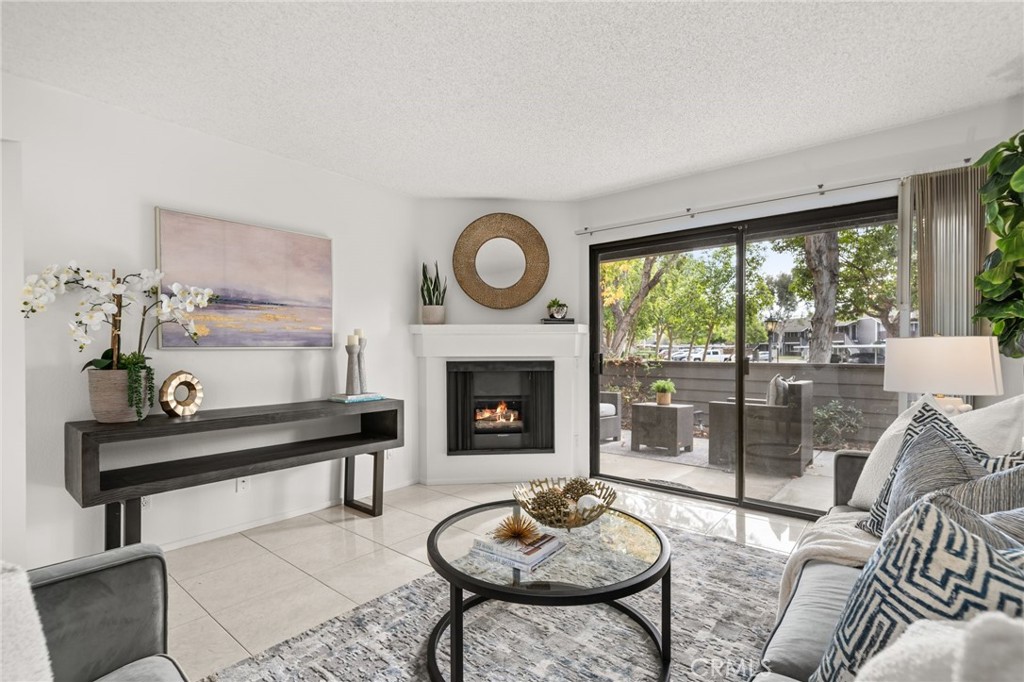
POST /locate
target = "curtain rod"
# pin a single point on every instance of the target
(693, 214)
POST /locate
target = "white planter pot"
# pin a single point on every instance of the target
(432, 314)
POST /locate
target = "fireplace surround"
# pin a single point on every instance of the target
(437, 345)
(501, 407)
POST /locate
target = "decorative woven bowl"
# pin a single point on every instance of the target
(567, 518)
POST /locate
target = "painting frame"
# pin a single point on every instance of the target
(251, 268)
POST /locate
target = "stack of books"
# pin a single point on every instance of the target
(564, 320)
(524, 557)
(355, 397)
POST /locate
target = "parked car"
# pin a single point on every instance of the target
(716, 355)
(866, 358)
(681, 355)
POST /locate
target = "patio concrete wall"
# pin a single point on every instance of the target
(698, 383)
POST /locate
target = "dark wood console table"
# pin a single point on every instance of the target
(381, 427)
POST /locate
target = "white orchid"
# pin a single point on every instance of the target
(106, 298)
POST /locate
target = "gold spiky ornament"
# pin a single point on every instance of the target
(521, 529)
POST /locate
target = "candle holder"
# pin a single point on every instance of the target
(362, 366)
(352, 386)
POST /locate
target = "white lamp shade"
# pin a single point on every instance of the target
(959, 365)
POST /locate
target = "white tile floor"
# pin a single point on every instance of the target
(240, 594)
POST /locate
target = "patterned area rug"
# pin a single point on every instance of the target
(724, 599)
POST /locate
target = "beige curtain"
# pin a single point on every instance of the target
(942, 212)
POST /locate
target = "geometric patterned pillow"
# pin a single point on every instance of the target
(926, 567)
(930, 463)
(926, 416)
(994, 464)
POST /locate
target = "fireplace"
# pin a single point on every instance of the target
(500, 406)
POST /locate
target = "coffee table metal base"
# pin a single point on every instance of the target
(662, 639)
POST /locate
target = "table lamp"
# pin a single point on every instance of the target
(961, 365)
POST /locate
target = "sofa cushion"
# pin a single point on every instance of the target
(805, 629)
(157, 668)
(996, 492)
(931, 462)
(771, 677)
(606, 410)
(926, 567)
(927, 416)
(997, 428)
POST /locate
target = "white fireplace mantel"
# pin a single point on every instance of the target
(435, 345)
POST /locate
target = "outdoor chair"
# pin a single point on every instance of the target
(779, 438)
(610, 415)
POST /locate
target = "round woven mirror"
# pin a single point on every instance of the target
(489, 248)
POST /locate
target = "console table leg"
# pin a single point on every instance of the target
(455, 632)
(112, 526)
(376, 506)
(666, 617)
(133, 521)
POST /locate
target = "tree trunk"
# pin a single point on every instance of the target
(821, 253)
(625, 318)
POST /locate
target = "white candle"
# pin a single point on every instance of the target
(353, 340)
(359, 333)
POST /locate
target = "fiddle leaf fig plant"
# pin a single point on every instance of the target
(1001, 281)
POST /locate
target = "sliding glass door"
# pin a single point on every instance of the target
(668, 320)
(790, 313)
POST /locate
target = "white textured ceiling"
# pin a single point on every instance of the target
(536, 101)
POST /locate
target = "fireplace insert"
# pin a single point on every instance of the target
(501, 406)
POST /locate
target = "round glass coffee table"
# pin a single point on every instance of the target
(615, 556)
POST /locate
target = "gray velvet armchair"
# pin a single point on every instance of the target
(105, 616)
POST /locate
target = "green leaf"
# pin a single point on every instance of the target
(1012, 245)
(99, 363)
(992, 154)
(1017, 181)
(993, 259)
(1010, 164)
(994, 188)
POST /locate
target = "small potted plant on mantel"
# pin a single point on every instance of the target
(663, 390)
(432, 293)
(557, 310)
(120, 384)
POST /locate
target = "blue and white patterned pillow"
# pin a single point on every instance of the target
(928, 416)
(926, 567)
(996, 492)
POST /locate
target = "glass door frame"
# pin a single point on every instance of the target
(786, 224)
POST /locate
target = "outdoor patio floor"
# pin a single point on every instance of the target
(813, 490)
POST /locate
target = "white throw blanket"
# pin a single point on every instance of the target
(834, 538)
(989, 648)
(23, 654)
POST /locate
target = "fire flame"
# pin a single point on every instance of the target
(499, 414)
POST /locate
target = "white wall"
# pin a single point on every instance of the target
(91, 177)
(931, 145)
(441, 221)
(13, 547)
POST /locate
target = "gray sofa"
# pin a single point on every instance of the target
(804, 629)
(105, 616)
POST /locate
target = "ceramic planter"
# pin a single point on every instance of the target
(432, 314)
(108, 396)
(663, 398)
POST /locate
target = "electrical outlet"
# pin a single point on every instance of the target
(241, 485)
(146, 502)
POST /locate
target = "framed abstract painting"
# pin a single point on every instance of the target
(274, 287)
